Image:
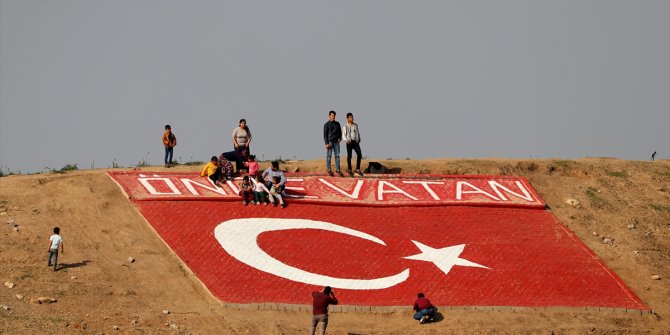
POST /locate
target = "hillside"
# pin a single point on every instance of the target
(622, 212)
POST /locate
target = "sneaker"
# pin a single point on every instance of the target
(257, 203)
(283, 205)
(424, 319)
(351, 174)
(265, 204)
(244, 202)
(274, 204)
(358, 172)
(340, 173)
(330, 173)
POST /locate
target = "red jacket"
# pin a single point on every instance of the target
(321, 302)
(422, 303)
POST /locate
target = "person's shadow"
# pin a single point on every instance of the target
(63, 266)
(438, 317)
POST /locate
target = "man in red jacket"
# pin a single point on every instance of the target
(320, 308)
(425, 311)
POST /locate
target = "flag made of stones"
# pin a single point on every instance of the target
(378, 241)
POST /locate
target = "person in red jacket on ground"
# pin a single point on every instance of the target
(425, 311)
(320, 308)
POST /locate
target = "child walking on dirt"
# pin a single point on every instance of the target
(55, 244)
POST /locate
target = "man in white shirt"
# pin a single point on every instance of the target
(55, 244)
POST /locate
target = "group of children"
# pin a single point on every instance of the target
(253, 187)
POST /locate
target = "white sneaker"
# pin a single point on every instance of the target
(424, 319)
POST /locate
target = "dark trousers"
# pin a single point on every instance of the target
(243, 152)
(168, 155)
(216, 176)
(356, 147)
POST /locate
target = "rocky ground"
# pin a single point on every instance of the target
(119, 277)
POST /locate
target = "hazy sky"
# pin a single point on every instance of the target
(92, 82)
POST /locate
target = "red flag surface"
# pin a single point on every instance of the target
(463, 241)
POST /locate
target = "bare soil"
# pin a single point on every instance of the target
(625, 202)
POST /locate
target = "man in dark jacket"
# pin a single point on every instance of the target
(332, 135)
(320, 308)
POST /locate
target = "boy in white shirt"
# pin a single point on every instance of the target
(55, 244)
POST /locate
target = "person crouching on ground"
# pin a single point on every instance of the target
(246, 189)
(425, 311)
(260, 190)
(320, 302)
(275, 192)
(212, 171)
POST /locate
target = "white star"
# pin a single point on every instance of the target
(444, 258)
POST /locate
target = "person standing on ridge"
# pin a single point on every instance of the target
(332, 135)
(352, 137)
(242, 143)
(169, 142)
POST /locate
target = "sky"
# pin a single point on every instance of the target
(93, 83)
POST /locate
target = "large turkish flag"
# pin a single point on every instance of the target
(384, 256)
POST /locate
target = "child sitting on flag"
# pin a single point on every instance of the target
(260, 191)
(212, 171)
(252, 165)
(246, 189)
(226, 167)
(275, 191)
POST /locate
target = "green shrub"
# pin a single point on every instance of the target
(660, 208)
(595, 199)
(618, 174)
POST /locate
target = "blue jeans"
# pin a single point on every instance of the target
(428, 311)
(168, 153)
(334, 149)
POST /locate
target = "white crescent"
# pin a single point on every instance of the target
(238, 238)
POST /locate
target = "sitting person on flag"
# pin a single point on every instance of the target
(212, 171)
(246, 190)
(425, 311)
(252, 165)
(275, 192)
(260, 191)
(226, 167)
(274, 171)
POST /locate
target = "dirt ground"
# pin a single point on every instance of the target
(623, 215)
